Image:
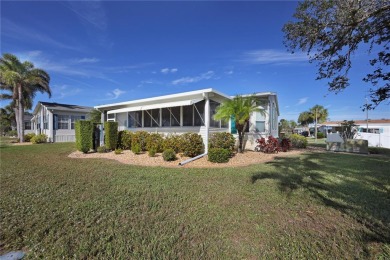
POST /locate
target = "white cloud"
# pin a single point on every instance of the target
(230, 72)
(87, 60)
(302, 101)
(62, 91)
(269, 56)
(115, 94)
(168, 70)
(208, 75)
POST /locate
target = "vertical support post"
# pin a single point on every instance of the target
(181, 116)
(207, 121)
(101, 128)
(51, 125)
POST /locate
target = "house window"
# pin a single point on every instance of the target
(152, 118)
(27, 125)
(188, 115)
(170, 116)
(73, 119)
(260, 126)
(46, 121)
(213, 110)
(199, 114)
(134, 119)
(63, 122)
(111, 117)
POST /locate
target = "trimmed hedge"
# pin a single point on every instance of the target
(110, 135)
(222, 140)
(169, 155)
(39, 139)
(320, 135)
(27, 137)
(84, 135)
(124, 140)
(219, 155)
(173, 142)
(139, 138)
(192, 144)
(298, 141)
(154, 141)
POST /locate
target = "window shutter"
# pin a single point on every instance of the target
(233, 125)
(55, 120)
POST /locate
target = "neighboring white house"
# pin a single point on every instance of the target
(377, 135)
(57, 120)
(189, 112)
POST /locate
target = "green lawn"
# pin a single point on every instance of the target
(317, 205)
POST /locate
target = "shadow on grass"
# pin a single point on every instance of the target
(357, 186)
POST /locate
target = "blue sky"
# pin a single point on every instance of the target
(105, 52)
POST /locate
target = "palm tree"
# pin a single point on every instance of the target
(23, 81)
(240, 108)
(319, 114)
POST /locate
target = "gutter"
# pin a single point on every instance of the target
(192, 159)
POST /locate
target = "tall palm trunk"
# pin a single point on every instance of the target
(21, 114)
(16, 111)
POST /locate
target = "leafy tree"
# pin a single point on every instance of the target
(285, 125)
(240, 108)
(348, 131)
(7, 119)
(95, 116)
(305, 118)
(22, 81)
(332, 31)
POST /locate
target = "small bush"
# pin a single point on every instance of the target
(12, 133)
(169, 155)
(27, 137)
(124, 140)
(154, 141)
(152, 151)
(110, 135)
(285, 144)
(222, 140)
(173, 142)
(140, 138)
(136, 148)
(84, 135)
(298, 141)
(219, 155)
(118, 151)
(192, 144)
(101, 149)
(39, 139)
(320, 135)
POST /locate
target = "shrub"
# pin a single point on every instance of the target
(219, 155)
(173, 142)
(39, 139)
(222, 140)
(285, 144)
(154, 141)
(84, 135)
(140, 138)
(320, 135)
(27, 137)
(152, 151)
(110, 134)
(101, 149)
(135, 148)
(192, 144)
(118, 151)
(169, 155)
(124, 139)
(298, 141)
(12, 133)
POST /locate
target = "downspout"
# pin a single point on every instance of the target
(207, 124)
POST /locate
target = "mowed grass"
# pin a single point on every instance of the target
(317, 205)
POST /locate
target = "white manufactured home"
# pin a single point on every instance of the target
(377, 133)
(190, 112)
(57, 120)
